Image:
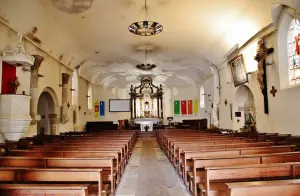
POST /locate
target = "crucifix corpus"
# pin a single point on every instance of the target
(261, 55)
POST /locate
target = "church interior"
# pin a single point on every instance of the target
(149, 97)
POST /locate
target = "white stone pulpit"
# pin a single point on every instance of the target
(146, 122)
(14, 116)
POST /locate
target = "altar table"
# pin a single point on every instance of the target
(146, 122)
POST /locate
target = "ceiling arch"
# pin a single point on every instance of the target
(196, 33)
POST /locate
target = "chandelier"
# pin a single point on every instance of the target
(72, 6)
(146, 66)
(147, 27)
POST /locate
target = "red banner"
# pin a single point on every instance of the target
(8, 76)
(183, 107)
(190, 107)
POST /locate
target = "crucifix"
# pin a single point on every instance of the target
(261, 55)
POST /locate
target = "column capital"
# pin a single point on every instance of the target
(53, 118)
(65, 78)
(37, 62)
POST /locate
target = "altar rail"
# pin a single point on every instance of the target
(197, 124)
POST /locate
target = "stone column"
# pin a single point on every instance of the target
(216, 101)
(162, 107)
(131, 108)
(65, 80)
(53, 123)
(34, 88)
(157, 107)
(134, 107)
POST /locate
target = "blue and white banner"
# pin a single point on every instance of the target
(102, 108)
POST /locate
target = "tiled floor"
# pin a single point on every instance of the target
(149, 173)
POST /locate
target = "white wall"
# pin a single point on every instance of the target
(283, 108)
(104, 94)
(51, 70)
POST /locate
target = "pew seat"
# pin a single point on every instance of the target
(38, 175)
(272, 187)
(44, 189)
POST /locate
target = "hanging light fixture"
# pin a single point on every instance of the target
(146, 66)
(147, 27)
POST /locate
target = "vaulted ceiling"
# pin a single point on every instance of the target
(196, 33)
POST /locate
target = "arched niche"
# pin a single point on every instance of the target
(244, 104)
(48, 109)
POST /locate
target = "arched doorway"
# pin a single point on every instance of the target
(244, 108)
(47, 110)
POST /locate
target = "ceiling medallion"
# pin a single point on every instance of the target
(72, 6)
(147, 27)
(146, 66)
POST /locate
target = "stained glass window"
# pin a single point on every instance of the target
(202, 97)
(90, 97)
(294, 52)
(75, 88)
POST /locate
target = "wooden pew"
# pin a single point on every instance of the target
(217, 146)
(55, 176)
(72, 154)
(187, 162)
(44, 189)
(257, 188)
(239, 173)
(106, 164)
(200, 163)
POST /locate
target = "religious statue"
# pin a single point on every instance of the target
(15, 84)
(262, 52)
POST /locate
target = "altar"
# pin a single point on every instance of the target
(146, 104)
(146, 122)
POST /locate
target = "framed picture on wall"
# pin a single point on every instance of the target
(238, 71)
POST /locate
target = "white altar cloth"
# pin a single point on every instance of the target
(146, 122)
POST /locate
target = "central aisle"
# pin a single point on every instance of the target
(149, 173)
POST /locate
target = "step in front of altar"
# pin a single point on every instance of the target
(151, 134)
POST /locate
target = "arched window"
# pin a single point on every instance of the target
(202, 97)
(90, 97)
(294, 52)
(75, 88)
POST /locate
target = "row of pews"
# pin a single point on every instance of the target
(69, 165)
(213, 164)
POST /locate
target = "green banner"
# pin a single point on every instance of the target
(176, 108)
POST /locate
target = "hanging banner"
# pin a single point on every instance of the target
(102, 108)
(183, 108)
(190, 107)
(176, 108)
(196, 106)
(96, 109)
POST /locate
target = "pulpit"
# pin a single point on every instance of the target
(14, 117)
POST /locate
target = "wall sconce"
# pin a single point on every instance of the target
(225, 102)
(79, 108)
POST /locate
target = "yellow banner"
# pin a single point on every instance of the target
(196, 107)
(96, 109)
